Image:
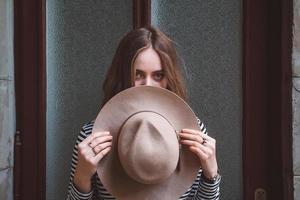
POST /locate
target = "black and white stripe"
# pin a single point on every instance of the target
(200, 190)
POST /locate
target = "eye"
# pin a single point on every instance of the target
(158, 76)
(138, 75)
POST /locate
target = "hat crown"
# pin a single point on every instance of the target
(148, 147)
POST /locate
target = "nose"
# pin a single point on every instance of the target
(148, 81)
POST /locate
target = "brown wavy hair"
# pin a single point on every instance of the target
(121, 74)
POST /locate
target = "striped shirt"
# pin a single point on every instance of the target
(200, 190)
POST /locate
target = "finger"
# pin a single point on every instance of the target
(86, 152)
(190, 143)
(203, 153)
(192, 131)
(209, 139)
(188, 136)
(196, 132)
(101, 147)
(204, 148)
(207, 150)
(87, 140)
(199, 152)
(101, 154)
(98, 140)
(209, 144)
(207, 147)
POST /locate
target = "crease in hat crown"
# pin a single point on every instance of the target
(148, 147)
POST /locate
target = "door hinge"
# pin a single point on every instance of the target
(260, 194)
(17, 165)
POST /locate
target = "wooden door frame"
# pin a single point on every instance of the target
(30, 90)
(267, 96)
(141, 13)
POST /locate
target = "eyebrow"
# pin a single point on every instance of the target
(141, 71)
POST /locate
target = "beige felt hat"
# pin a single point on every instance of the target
(146, 160)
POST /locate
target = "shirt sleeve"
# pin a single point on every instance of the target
(207, 189)
(202, 126)
(73, 192)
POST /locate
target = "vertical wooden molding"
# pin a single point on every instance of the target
(267, 98)
(255, 97)
(30, 89)
(286, 99)
(141, 13)
(42, 95)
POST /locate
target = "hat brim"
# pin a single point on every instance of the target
(111, 118)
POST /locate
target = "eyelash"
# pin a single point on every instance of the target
(160, 74)
(138, 74)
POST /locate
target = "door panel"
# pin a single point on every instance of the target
(82, 37)
(208, 38)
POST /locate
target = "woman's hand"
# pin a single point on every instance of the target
(90, 151)
(205, 149)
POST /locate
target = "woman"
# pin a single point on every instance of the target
(144, 57)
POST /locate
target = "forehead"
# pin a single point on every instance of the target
(148, 59)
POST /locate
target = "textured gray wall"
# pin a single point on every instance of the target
(296, 99)
(82, 36)
(208, 34)
(7, 100)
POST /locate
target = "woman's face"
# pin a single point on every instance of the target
(148, 69)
